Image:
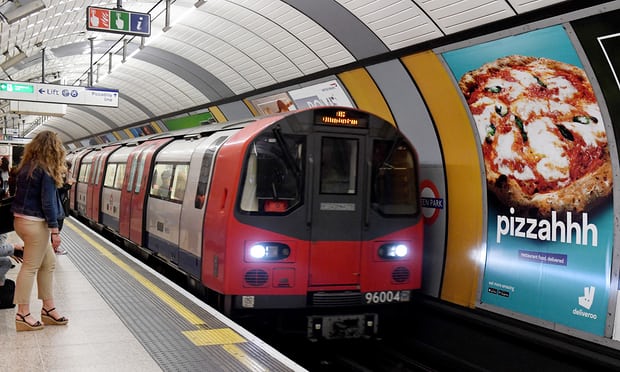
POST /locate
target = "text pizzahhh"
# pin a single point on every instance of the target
(548, 230)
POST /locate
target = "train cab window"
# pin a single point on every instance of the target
(338, 166)
(394, 178)
(274, 169)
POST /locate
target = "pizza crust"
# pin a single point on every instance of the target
(568, 194)
(580, 196)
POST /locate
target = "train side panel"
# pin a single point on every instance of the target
(113, 181)
(82, 183)
(140, 189)
(95, 188)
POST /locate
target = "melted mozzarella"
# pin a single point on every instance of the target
(513, 89)
(483, 120)
(565, 89)
(524, 107)
(505, 152)
(553, 164)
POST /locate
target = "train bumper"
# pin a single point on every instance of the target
(352, 326)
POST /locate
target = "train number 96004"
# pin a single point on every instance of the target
(382, 297)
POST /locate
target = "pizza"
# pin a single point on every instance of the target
(542, 135)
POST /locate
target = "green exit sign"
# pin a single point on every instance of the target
(16, 88)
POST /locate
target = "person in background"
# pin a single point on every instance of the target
(63, 193)
(37, 209)
(7, 286)
(12, 177)
(4, 172)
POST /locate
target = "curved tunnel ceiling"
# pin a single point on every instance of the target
(214, 50)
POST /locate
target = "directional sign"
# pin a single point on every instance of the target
(52, 93)
(16, 87)
(118, 21)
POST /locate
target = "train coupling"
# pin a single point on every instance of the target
(337, 327)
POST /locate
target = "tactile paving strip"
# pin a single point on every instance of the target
(168, 337)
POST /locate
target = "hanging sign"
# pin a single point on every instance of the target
(118, 21)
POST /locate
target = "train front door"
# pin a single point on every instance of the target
(337, 217)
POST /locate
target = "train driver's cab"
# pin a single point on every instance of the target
(273, 174)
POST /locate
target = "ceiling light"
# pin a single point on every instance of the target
(12, 61)
(13, 11)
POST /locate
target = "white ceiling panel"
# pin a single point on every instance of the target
(397, 23)
(522, 6)
(457, 15)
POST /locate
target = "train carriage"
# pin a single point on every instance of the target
(315, 210)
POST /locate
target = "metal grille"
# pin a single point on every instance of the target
(400, 274)
(256, 277)
(335, 299)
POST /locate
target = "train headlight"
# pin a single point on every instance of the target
(269, 251)
(393, 251)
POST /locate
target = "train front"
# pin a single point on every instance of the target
(328, 218)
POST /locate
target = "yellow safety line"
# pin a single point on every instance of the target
(225, 337)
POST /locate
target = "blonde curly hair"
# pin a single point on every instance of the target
(47, 152)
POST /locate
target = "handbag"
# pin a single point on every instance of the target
(6, 216)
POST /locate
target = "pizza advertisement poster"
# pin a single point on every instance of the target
(549, 177)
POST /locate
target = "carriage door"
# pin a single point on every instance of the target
(337, 209)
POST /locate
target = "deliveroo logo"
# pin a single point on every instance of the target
(586, 301)
(587, 298)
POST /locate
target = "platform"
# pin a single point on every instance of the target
(124, 316)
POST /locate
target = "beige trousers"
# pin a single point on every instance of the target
(39, 261)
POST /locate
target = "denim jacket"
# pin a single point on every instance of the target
(37, 196)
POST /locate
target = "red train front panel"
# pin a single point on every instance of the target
(318, 209)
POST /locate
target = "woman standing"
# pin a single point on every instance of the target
(37, 209)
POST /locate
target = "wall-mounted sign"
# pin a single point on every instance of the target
(118, 21)
(52, 93)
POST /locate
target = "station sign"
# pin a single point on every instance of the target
(52, 93)
(118, 21)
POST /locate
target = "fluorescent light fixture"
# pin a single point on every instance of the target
(12, 61)
(15, 10)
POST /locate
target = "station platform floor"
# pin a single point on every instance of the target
(124, 316)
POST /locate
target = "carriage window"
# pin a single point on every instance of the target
(110, 173)
(394, 178)
(179, 182)
(83, 175)
(338, 166)
(205, 172)
(162, 181)
(120, 176)
(98, 170)
(140, 171)
(274, 171)
(132, 172)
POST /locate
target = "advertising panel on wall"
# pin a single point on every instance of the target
(328, 93)
(549, 178)
(272, 104)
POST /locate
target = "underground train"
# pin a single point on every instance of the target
(315, 210)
